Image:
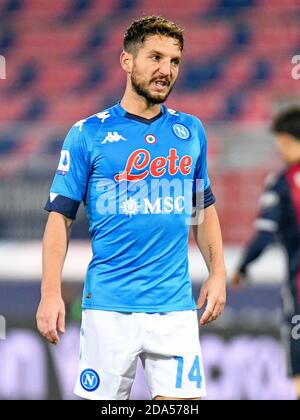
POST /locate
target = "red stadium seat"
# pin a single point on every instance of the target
(74, 107)
(173, 8)
(102, 9)
(38, 41)
(59, 78)
(12, 107)
(204, 41)
(37, 9)
(257, 106)
(278, 4)
(59, 49)
(205, 104)
(245, 186)
(237, 70)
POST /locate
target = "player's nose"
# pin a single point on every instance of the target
(165, 68)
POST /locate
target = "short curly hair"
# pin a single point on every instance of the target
(147, 26)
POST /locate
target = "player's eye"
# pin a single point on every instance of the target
(175, 62)
(156, 57)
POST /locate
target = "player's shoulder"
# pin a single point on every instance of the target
(94, 122)
(276, 181)
(275, 191)
(179, 115)
(189, 120)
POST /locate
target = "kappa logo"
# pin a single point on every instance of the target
(172, 112)
(79, 124)
(112, 137)
(89, 380)
(103, 115)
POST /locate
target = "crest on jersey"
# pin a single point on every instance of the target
(181, 131)
(64, 163)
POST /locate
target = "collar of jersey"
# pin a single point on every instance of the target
(138, 118)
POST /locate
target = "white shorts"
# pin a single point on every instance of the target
(167, 344)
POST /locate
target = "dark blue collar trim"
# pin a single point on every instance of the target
(147, 121)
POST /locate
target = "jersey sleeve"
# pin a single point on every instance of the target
(201, 185)
(70, 181)
(270, 206)
(266, 224)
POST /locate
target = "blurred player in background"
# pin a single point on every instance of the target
(137, 300)
(279, 219)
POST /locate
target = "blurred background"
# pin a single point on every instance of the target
(62, 64)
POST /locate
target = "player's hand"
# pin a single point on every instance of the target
(50, 317)
(237, 280)
(213, 292)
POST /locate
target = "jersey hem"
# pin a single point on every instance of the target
(143, 309)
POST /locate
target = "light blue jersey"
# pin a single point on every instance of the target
(136, 177)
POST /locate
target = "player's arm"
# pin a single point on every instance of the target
(208, 237)
(266, 227)
(261, 240)
(51, 311)
(209, 240)
(67, 191)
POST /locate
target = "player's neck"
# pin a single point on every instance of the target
(137, 105)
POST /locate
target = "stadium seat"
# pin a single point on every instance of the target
(174, 9)
(63, 57)
(42, 10)
(26, 76)
(13, 112)
(35, 109)
(7, 143)
(199, 75)
(102, 10)
(8, 7)
(206, 41)
(7, 38)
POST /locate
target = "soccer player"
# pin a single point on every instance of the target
(128, 165)
(279, 219)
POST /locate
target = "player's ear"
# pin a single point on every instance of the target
(126, 60)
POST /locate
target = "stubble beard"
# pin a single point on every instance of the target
(141, 89)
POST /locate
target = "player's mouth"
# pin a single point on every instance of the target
(160, 85)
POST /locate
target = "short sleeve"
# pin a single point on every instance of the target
(201, 183)
(70, 181)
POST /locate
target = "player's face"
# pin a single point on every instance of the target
(287, 147)
(155, 68)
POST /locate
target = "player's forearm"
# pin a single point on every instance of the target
(55, 245)
(255, 248)
(209, 240)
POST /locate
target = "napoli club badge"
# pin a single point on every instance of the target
(181, 131)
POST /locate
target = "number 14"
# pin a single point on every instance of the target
(194, 373)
